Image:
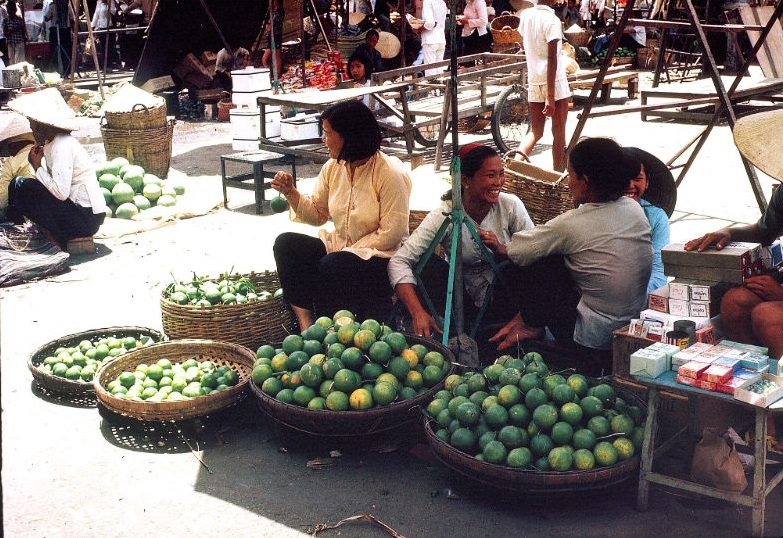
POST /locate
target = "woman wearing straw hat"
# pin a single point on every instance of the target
(63, 197)
(753, 312)
(17, 140)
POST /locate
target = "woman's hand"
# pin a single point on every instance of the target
(492, 242)
(766, 287)
(514, 332)
(283, 182)
(720, 239)
(35, 156)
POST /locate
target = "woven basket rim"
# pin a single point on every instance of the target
(68, 386)
(163, 411)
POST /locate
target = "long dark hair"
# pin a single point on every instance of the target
(359, 56)
(472, 157)
(605, 164)
(357, 126)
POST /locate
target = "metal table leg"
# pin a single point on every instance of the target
(258, 183)
(223, 175)
(759, 472)
(648, 449)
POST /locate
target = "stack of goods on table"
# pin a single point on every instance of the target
(728, 367)
(692, 299)
(322, 75)
(248, 85)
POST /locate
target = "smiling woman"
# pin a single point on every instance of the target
(497, 215)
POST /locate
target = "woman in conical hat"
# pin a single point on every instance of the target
(16, 139)
(63, 197)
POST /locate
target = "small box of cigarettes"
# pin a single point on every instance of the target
(659, 299)
(679, 289)
(684, 380)
(730, 386)
(706, 385)
(717, 374)
(692, 369)
(754, 361)
(649, 363)
(728, 362)
(678, 307)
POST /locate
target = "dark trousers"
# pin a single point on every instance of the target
(325, 283)
(4, 48)
(476, 44)
(64, 219)
(60, 47)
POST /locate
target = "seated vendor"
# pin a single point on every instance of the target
(656, 174)
(368, 48)
(584, 273)
(17, 140)
(753, 313)
(501, 213)
(365, 193)
(63, 198)
(360, 69)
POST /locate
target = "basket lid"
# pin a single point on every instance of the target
(129, 96)
(755, 137)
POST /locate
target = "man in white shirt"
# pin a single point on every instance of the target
(548, 90)
(433, 36)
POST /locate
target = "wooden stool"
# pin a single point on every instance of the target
(253, 181)
(80, 245)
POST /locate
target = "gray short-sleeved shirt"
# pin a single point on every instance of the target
(771, 222)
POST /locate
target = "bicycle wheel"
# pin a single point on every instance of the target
(510, 118)
(427, 135)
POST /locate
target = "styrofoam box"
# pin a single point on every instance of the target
(251, 79)
(247, 99)
(300, 127)
(246, 122)
(245, 145)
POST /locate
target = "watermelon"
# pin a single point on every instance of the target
(122, 193)
(141, 202)
(152, 192)
(126, 211)
(108, 181)
(115, 165)
(134, 179)
(107, 195)
(168, 190)
(166, 200)
(179, 188)
(152, 178)
(131, 169)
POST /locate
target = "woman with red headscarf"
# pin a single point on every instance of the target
(490, 210)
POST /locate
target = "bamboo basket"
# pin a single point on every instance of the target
(578, 39)
(415, 218)
(148, 148)
(250, 324)
(238, 358)
(326, 423)
(505, 28)
(140, 117)
(545, 193)
(347, 44)
(61, 385)
(533, 480)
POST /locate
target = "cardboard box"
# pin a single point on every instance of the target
(158, 84)
(745, 347)
(744, 373)
(745, 394)
(706, 335)
(728, 362)
(692, 369)
(683, 380)
(706, 385)
(707, 291)
(659, 299)
(753, 361)
(679, 308)
(668, 349)
(734, 256)
(718, 374)
(649, 363)
(668, 320)
(679, 289)
(712, 274)
(703, 309)
(730, 386)
(772, 256)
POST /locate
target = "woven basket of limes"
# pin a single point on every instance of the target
(517, 426)
(67, 365)
(341, 377)
(244, 309)
(175, 380)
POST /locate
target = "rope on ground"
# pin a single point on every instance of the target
(369, 518)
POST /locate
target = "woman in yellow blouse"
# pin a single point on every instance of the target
(365, 193)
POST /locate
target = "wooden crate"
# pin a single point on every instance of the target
(623, 345)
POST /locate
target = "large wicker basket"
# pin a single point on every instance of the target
(545, 193)
(139, 117)
(148, 148)
(416, 216)
(347, 44)
(505, 29)
(250, 324)
(61, 385)
(326, 423)
(238, 358)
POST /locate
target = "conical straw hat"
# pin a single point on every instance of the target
(388, 45)
(12, 125)
(758, 137)
(47, 107)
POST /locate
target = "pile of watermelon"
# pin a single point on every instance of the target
(129, 190)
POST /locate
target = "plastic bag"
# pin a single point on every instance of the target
(716, 463)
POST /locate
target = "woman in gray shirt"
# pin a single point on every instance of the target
(601, 250)
(489, 209)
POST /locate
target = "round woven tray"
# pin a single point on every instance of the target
(238, 358)
(352, 423)
(250, 324)
(61, 385)
(530, 480)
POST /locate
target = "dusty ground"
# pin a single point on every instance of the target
(69, 472)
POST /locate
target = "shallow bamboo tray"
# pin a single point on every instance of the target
(533, 480)
(323, 422)
(237, 357)
(250, 324)
(61, 385)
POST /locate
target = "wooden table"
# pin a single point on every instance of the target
(255, 180)
(760, 487)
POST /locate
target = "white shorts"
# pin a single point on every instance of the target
(536, 93)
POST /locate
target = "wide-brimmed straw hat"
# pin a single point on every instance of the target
(520, 4)
(388, 45)
(47, 107)
(661, 190)
(758, 138)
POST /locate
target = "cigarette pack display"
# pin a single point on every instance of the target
(717, 374)
(668, 319)
(635, 327)
(678, 307)
(745, 347)
(693, 369)
(653, 330)
(762, 390)
(683, 380)
(659, 299)
(703, 309)
(680, 289)
(706, 335)
(731, 385)
(753, 361)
